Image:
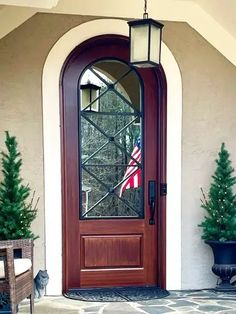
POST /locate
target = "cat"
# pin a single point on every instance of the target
(40, 282)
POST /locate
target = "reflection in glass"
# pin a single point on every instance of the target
(111, 143)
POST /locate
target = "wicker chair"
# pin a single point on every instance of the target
(17, 287)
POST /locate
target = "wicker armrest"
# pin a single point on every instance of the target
(25, 245)
(6, 252)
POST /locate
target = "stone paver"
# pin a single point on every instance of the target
(181, 302)
(213, 308)
(158, 309)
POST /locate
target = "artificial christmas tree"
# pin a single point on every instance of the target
(16, 212)
(219, 226)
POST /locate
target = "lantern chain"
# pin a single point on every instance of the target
(145, 14)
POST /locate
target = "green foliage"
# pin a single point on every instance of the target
(220, 223)
(16, 213)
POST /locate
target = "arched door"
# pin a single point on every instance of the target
(113, 134)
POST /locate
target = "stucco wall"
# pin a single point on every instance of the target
(209, 118)
(22, 56)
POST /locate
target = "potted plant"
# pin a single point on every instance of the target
(219, 225)
(17, 212)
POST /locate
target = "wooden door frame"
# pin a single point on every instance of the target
(161, 167)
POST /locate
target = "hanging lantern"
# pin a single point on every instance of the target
(145, 41)
(89, 96)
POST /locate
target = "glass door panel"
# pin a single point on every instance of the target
(111, 158)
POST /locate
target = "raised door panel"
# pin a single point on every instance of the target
(111, 251)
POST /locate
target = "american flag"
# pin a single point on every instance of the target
(133, 173)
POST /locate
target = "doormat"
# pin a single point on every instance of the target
(119, 294)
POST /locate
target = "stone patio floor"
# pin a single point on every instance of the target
(192, 302)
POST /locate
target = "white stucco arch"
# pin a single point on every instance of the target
(52, 151)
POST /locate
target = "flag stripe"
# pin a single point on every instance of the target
(133, 173)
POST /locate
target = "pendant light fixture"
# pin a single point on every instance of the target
(145, 41)
(90, 97)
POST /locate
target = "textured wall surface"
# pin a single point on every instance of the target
(209, 117)
(22, 56)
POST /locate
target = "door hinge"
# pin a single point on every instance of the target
(163, 189)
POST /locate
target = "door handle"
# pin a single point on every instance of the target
(152, 200)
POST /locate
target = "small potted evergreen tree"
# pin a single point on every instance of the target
(219, 226)
(16, 212)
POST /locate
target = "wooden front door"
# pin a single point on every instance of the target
(113, 135)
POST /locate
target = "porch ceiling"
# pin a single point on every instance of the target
(215, 20)
(224, 12)
(29, 3)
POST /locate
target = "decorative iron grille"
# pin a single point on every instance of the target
(108, 137)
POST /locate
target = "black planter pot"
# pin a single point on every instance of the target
(224, 263)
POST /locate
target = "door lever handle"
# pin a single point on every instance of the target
(152, 201)
(152, 208)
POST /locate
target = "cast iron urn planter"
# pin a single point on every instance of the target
(224, 263)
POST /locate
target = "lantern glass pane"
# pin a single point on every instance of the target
(94, 95)
(87, 96)
(155, 44)
(139, 43)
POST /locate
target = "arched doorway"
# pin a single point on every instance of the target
(133, 245)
